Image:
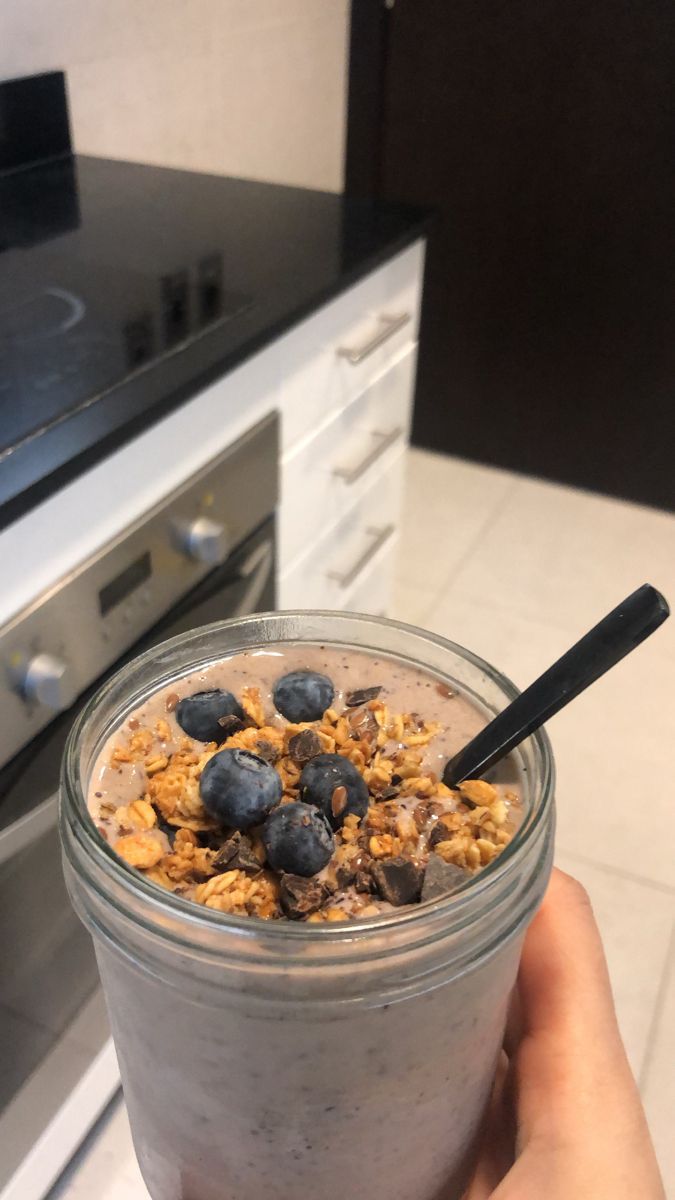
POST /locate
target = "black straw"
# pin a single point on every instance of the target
(601, 648)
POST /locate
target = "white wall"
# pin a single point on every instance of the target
(243, 87)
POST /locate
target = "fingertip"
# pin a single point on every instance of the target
(569, 899)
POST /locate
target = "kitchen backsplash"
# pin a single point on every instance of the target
(242, 87)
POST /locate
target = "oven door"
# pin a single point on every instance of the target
(53, 1021)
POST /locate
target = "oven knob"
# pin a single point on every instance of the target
(45, 679)
(204, 540)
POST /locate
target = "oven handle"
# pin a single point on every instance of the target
(26, 829)
(256, 567)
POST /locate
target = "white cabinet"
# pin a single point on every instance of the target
(332, 357)
(330, 571)
(326, 475)
(348, 377)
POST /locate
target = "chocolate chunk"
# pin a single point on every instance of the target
(338, 801)
(267, 751)
(445, 691)
(364, 882)
(230, 724)
(228, 851)
(362, 696)
(398, 880)
(441, 878)
(396, 779)
(388, 793)
(303, 746)
(360, 879)
(237, 854)
(246, 858)
(439, 833)
(299, 897)
(345, 875)
(356, 874)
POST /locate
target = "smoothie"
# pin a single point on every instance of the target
(348, 747)
(307, 973)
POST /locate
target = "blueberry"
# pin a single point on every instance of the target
(321, 778)
(298, 839)
(303, 695)
(198, 715)
(239, 788)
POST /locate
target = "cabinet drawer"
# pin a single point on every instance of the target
(334, 568)
(334, 355)
(327, 475)
(373, 592)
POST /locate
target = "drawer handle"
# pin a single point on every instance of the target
(389, 326)
(385, 441)
(379, 536)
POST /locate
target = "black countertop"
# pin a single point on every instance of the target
(125, 289)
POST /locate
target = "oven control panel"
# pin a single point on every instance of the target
(56, 648)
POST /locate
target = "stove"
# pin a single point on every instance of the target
(125, 289)
(76, 320)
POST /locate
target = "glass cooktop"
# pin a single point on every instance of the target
(77, 319)
(126, 288)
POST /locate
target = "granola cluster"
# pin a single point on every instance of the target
(417, 839)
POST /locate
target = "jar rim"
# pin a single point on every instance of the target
(460, 906)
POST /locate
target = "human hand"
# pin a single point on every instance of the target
(566, 1121)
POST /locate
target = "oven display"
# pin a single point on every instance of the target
(125, 583)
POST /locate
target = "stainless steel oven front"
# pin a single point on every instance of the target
(206, 552)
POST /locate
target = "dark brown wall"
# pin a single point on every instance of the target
(543, 132)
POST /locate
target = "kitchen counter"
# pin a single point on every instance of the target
(126, 289)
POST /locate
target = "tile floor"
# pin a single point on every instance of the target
(517, 569)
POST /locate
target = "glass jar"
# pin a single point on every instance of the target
(275, 1058)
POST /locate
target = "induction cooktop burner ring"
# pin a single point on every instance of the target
(32, 324)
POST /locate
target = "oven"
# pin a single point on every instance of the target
(204, 553)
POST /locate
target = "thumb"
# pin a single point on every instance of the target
(575, 1095)
(571, 1045)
